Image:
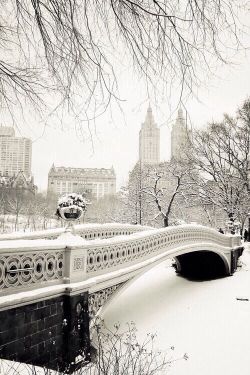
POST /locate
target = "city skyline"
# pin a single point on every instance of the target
(116, 138)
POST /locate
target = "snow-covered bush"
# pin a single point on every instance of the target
(71, 206)
(115, 351)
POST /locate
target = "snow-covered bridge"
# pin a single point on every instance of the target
(77, 276)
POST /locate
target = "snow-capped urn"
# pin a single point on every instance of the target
(71, 206)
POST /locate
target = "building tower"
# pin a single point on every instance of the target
(149, 140)
(179, 138)
(15, 153)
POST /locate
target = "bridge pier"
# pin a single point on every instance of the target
(235, 254)
(53, 333)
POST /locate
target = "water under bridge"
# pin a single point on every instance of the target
(52, 283)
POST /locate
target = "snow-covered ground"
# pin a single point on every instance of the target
(203, 319)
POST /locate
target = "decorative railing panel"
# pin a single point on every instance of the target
(96, 300)
(25, 269)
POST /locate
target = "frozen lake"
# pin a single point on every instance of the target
(203, 319)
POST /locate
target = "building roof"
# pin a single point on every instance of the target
(149, 120)
(18, 181)
(7, 131)
(82, 171)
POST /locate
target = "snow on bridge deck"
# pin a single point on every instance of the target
(87, 231)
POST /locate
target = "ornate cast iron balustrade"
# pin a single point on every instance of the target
(25, 264)
(33, 267)
(97, 299)
(132, 250)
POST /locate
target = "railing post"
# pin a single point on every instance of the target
(75, 264)
(236, 241)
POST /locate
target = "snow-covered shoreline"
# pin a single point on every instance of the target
(207, 320)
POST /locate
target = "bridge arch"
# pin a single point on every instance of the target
(197, 253)
(202, 265)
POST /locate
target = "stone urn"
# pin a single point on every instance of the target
(71, 207)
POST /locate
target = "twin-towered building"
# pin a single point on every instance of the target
(149, 139)
(142, 178)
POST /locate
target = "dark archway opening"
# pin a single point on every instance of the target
(201, 265)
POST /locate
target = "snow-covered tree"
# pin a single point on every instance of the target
(157, 192)
(17, 200)
(133, 199)
(104, 210)
(221, 157)
(169, 189)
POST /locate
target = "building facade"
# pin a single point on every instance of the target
(94, 182)
(149, 140)
(180, 138)
(15, 153)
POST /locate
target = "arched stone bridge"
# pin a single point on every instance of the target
(82, 274)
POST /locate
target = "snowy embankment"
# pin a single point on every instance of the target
(210, 320)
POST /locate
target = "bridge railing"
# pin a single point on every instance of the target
(86, 231)
(32, 264)
(141, 246)
(24, 264)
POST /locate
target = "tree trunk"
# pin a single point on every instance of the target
(165, 221)
(16, 222)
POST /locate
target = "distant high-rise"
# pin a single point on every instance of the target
(15, 153)
(149, 140)
(179, 138)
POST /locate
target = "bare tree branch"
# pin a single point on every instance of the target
(68, 49)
